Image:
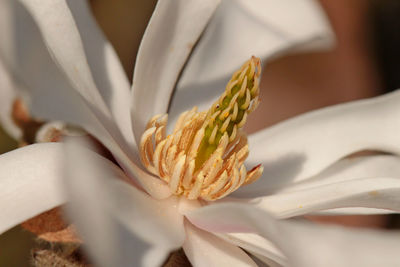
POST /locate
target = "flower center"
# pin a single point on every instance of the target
(204, 156)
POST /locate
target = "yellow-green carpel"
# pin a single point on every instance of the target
(204, 156)
(229, 113)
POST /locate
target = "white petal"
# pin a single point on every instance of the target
(349, 169)
(335, 246)
(27, 57)
(8, 94)
(206, 250)
(263, 261)
(325, 212)
(353, 211)
(63, 39)
(383, 193)
(107, 71)
(111, 214)
(301, 147)
(8, 87)
(352, 169)
(29, 182)
(240, 29)
(304, 244)
(257, 245)
(7, 22)
(169, 38)
(51, 94)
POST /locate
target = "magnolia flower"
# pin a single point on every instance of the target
(126, 215)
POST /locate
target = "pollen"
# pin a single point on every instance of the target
(204, 156)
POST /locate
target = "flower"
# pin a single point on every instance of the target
(128, 216)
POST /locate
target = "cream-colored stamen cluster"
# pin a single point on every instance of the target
(204, 156)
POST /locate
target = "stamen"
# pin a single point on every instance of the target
(153, 120)
(177, 174)
(158, 158)
(188, 175)
(160, 134)
(144, 148)
(196, 189)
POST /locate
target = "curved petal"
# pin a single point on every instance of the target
(8, 87)
(205, 250)
(256, 245)
(239, 29)
(169, 38)
(263, 261)
(339, 175)
(336, 246)
(29, 182)
(301, 147)
(383, 193)
(353, 211)
(51, 94)
(105, 66)
(111, 214)
(350, 169)
(63, 40)
(304, 244)
(8, 94)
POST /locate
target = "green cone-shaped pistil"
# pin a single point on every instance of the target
(229, 113)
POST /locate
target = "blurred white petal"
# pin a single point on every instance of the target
(263, 261)
(304, 244)
(350, 169)
(354, 211)
(206, 250)
(239, 29)
(49, 95)
(105, 66)
(301, 147)
(30, 180)
(53, 97)
(335, 186)
(8, 94)
(256, 245)
(318, 246)
(378, 192)
(111, 214)
(62, 38)
(169, 38)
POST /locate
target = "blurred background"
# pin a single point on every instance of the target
(365, 63)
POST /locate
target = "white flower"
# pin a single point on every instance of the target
(126, 215)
